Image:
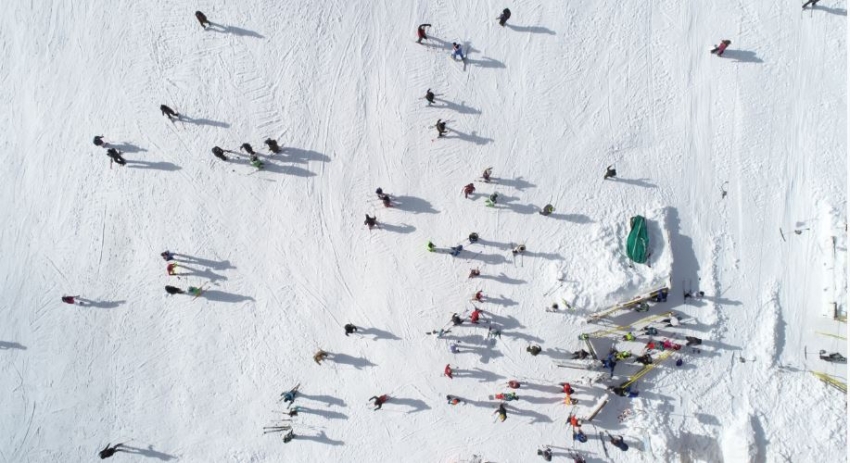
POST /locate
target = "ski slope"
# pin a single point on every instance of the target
(566, 89)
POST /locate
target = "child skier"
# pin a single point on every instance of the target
(479, 296)
(350, 328)
(533, 350)
(502, 411)
(202, 18)
(167, 255)
(255, 161)
(441, 128)
(491, 200)
(385, 198)
(452, 400)
(476, 314)
(468, 190)
(370, 221)
(506, 396)
(719, 49)
(514, 384)
(109, 451)
(195, 291)
(456, 320)
(473, 238)
(219, 153)
(170, 113)
(518, 250)
(420, 32)
(455, 250)
(457, 51)
(810, 2)
(503, 18)
(431, 246)
(69, 299)
(474, 273)
(545, 453)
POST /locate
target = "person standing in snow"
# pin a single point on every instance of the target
(518, 250)
(468, 190)
(431, 247)
(486, 175)
(473, 238)
(70, 300)
(533, 350)
(320, 356)
(202, 18)
(453, 348)
(547, 210)
(370, 221)
(479, 296)
(455, 250)
(502, 411)
(166, 111)
(429, 97)
(167, 255)
(514, 384)
(171, 269)
(98, 141)
(420, 32)
(109, 451)
(247, 148)
(115, 156)
(580, 354)
(452, 400)
(441, 128)
(580, 436)
(456, 320)
(379, 401)
(476, 314)
(503, 18)
(448, 371)
(385, 198)
(474, 273)
(610, 172)
(272, 144)
(219, 153)
(457, 52)
(719, 49)
(173, 290)
(350, 328)
(545, 453)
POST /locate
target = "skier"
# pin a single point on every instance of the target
(473, 237)
(109, 451)
(518, 250)
(610, 172)
(494, 333)
(247, 148)
(319, 356)
(287, 438)
(202, 18)
(456, 320)
(272, 144)
(580, 354)
(629, 336)
(370, 221)
(833, 357)
(502, 411)
(289, 396)
(448, 371)
(514, 384)
(166, 111)
(610, 364)
(115, 155)
(452, 400)
(580, 436)
(503, 18)
(420, 32)
(491, 200)
(69, 299)
(171, 269)
(431, 246)
(255, 161)
(486, 175)
(474, 273)
(617, 441)
(672, 321)
(577, 458)
(811, 2)
(644, 359)
(693, 341)
(294, 411)
(574, 422)
(219, 153)
(385, 198)
(719, 49)
(547, 210)
(545, 453)
(441, 128)
(195, 291)
(476, 314)
(567, 388)
(468, 190)
(173, 290)
(429, 97)
(350, 328)
(479, 296)
(453, 348)
(533, 350)
(651, 331)
(506, 396)
(168, 255)
(457, 51)
(379, 401)
(98, 141)
(455, 250)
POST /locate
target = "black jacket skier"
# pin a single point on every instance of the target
(441, 127)
(98, 141)
(546, 454)
(173, 290)
(166, 111)
(115, 155)
(610, 172)
(580, 354)
(202, 18)
(350, 328)
(503, 18)
(219, 153)
(109, 451)
(533, 350)
(247, 148)
(272, 144)
(370, 221)
(429, 97)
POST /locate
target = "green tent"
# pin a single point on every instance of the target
(637, 244)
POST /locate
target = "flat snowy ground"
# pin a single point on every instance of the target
(566, 89)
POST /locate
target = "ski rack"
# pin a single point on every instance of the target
(605, 332)
(647, 368)
(633, 302)
(831, 381)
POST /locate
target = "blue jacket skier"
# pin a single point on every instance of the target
(457, 51)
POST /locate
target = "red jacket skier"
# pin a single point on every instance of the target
(171, 269)
(475, 315)
(448, 371)
(479, 296)
(468, 190)
(420, 32)
(567, 388)
(68, 300)
(379, 401)
(719, 49)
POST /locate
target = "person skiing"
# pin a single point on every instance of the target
(454, 348)
(502, 411)
(350, 328)
(473, 237)
(429, 97)
(580, 354)
(492, 199)
(287, 438)
(289, 396)
(431, 247)
(476, 314)
(494, 333)
(69, 300)
(420, 32)
(617, 441)
(370, 221)
(577, 458)
(98, 141)
(109, 451)
(320, 356)
(455, 250)
(547, 210)
(719, 49)
(448, 371)
(486, 175)
(255, 161)
(514, 384)
(650, 330)
(518, 250)
(574, 422)
(457, 51)
(503, 18)
(479, 296)
(693, 341)
(171, 269)
(219, 153)
(166, 111)
(610, 172)
(195, 291)
(506, 396)
(168, 255)
(441, 128)
(272, 144)
(468, 190)
(810, 2)
(173, 290)
(294, 411)
(456, 320)
(545, 453)
(202, 18)
(115, 155)
(644, 359)
(629, 336)
(247, 148)
(452, 400)
(672, 321)
(385, 198)
(579, 435)
(379, 401)
(533, 350)
(567, 388)
(474, 273)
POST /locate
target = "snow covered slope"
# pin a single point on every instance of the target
(549, 101)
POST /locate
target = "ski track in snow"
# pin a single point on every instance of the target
(548, 101)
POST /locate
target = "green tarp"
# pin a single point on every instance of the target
(637, 244)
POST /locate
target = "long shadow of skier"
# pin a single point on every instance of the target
(225, 29)
(330, 400)
(205, 273)
(321, 438)
(472, 137)
(487, 258)
(5, 345)
(166, 166)
(462, 108)
(641, 182)
(577, 218)
(502, 278)
(378, 334)
(535, 417)
(221, 296)
(127, 148)
(356, 362)
(218, 265)
(210, 122)
(501, 300)
(483, 376)
(517, 183)
(324, 413)
(486, 62)
(288, 170)
(416, 405)
(531, 29)
(148, 452)
(413, 204)
(742, 56)
(99, 304)
(304, 156)
(403, 228)
(835, 11)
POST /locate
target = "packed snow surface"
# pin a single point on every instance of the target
(738, 162)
